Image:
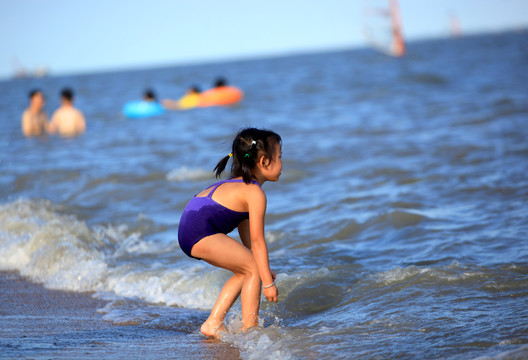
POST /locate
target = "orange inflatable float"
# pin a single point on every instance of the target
(221, 96)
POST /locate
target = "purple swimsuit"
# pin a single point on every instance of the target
(203, 217)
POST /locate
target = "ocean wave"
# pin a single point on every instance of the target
(488, 279)
(63, 253)
(412, 274)
(271, 342)
(520, 353)
(57, 250)
(426, 78)
(194, 287)
(397, 218)
(184, 174)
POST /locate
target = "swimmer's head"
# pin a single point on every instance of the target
(220, 81)
(36, 98)
(67, 94)
(149, 95)
(248, 147)
(34, 92)
(195, 89)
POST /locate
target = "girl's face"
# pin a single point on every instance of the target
(274, 168)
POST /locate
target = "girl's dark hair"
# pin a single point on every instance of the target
(249, 145)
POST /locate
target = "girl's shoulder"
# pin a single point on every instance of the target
(241, 184)
(252, 189)
(254, 193)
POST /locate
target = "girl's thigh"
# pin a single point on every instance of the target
(223, 251)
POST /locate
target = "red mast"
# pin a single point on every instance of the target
(398, 45)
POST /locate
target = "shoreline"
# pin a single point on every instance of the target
(39, 323)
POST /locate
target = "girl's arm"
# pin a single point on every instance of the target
(243, 231)
(257, 211)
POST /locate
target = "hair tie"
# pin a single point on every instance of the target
(250, 146)
(230, 154)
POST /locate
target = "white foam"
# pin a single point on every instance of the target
(272, 237)
(63, 253)
(185, 287)
(124, 243)
(271, 342)
(399, 274)
(49, 248)
(184, 174)
(134, 244)
(451, 273)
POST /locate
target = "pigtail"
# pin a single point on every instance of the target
(246, 173)
(219, 168)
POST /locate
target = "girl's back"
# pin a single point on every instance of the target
(230, 194)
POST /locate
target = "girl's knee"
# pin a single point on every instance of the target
(250, 269)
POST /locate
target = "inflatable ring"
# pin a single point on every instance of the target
(221, 96)
(142, 109)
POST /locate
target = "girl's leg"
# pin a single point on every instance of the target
(223, 251)
(230, 292)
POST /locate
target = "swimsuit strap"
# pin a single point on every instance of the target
(216, 185)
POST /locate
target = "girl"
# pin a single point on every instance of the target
(237, 202)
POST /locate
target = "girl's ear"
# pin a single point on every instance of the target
(264, 161)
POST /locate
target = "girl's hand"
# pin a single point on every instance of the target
(271, 293)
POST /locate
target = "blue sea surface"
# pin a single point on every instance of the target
(398, 229)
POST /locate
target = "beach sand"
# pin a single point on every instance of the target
(38, 323)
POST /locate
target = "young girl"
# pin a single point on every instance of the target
(219, 209)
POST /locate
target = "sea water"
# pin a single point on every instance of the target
(397, 230)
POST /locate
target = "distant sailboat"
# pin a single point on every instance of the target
(21, 72)
(383, 28)
(455, 26)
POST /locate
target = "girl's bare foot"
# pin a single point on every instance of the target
(212, 329)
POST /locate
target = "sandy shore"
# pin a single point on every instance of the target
(38, 323)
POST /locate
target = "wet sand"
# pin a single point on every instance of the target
(38, 323)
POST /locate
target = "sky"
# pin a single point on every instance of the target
(69, 37)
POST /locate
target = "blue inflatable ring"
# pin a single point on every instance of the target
(141, 109)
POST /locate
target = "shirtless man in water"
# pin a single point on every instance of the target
(34, 120)
(67, 120)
